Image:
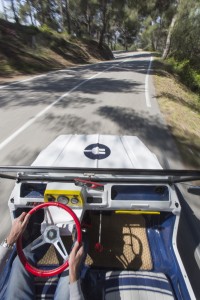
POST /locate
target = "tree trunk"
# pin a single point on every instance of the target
(104, 21)
(68, 16)
(30, 12)
(61, 15)
(14, 12)
(126, 45)
(168, 41)
(89, 25)
(42, 12)
(102, 33)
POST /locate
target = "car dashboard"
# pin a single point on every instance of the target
(132, 198)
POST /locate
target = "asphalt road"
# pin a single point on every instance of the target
(115, 97)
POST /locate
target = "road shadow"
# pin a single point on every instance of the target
(48, 89)
(189, 148)
(149, 128)
(54, 82)
(133, 55)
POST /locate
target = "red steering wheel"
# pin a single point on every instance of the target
(47, 273)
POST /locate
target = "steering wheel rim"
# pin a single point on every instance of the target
(46, 273)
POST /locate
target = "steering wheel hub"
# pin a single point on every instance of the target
(51, 234)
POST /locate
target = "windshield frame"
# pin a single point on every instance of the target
(66, 174)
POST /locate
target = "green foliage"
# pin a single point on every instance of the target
(133, 47)
(25, 12)
(119, 47)
(46, 29)
(186, 37)
(153, 38)
(2, 15)
(185, 44)
(188, 75)
(155, 25)
(30, 30)
(97, 19)
(127, 21)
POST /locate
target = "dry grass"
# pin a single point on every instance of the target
(181, 109)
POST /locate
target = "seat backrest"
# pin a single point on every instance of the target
(137, 285)
(45, 287)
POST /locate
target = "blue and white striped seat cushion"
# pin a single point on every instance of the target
(131, 285)
(45, 287)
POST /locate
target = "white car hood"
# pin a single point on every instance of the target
(97, 151)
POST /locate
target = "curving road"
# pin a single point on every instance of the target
(114, 97)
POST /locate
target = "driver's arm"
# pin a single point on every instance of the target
(75, 259)
(5, 251)
(18, 227)
(75, 291)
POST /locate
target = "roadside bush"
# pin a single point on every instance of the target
(118, 47)
(187, 73)
(30, 30)
(132, 48)
(46, 29)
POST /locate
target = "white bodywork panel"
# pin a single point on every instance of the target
(104, 151)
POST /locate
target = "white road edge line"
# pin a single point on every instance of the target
(46, 74)
(52, 72)
(32, 120)
(147, 97)
(28, 79)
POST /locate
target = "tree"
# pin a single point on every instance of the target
(25, 12)
(89, 12)
(129, 26)
(158, 19)
(187, 26)
(170, 31)
(68, 17)
(4, 10)
(14, 11)
(104, 13)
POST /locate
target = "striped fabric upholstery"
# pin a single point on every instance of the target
(45, 287)
(131, 285)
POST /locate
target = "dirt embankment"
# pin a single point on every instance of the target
(181, 109)
(26, 50)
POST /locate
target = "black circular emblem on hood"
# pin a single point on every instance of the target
(97, 151)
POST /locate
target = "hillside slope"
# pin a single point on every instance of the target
(28, 50)
(181, 109)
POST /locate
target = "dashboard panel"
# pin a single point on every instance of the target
(80, 198)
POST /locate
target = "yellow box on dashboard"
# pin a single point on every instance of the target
(66, 193)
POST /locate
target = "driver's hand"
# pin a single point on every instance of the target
(75, 258)
(18, 227)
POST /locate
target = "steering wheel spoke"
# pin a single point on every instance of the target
(61, 248)
(48, 217)
(38, 242)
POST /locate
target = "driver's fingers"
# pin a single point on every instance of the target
(24, 218)
(75, 248)
(80, 251)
